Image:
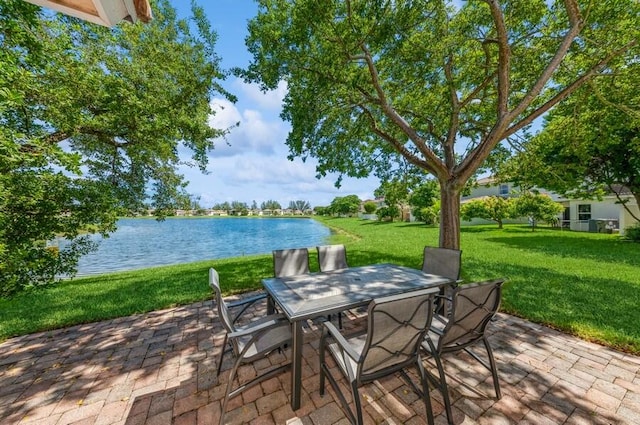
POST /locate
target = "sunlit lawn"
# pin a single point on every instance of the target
(586, 284)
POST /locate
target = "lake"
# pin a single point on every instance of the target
(141, 243)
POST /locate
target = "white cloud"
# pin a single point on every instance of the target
(251, 162)
(270, 100)
(253, 134)
(274, 170)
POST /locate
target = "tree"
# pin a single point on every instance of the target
(590, 144)
(369, 207)
(321, 210)
(345, 205)
(191, 202)
(537, 207)
(239, 208)
(388, 213)
(301, 206)
(395, 193)
(270, 205)
(122, 100)
(494, 208)
(433, 82)
(423, 199)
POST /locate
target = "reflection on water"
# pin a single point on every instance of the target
(140, 243)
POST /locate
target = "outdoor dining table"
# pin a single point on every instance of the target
(313, 295)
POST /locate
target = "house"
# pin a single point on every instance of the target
(605, 215)
(583, 215)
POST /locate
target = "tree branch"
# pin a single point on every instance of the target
(454, 123)
(576, 26)
(438, 168)
(563, 94)
(473, 95)
(504, 58)
(399, 147)
(624, 202)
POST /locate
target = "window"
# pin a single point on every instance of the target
(504, 189)
(584, 212)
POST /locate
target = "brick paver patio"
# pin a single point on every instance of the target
(159, 368)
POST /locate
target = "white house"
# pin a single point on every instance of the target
(585, 215)
(592, 215)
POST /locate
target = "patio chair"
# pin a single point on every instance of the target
(290, 262)
(443, 262)
(396, 326)
(472, 308)
(332, 257)
(249, 342)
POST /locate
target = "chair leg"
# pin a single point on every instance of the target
(357, 403)
(229, 386)
(443, 388)
(340, 320)
(440, 383)
(224, 347)
(425, 391)
(494, 369)
(343, 401)
(322, 366)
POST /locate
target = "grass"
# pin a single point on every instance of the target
(582, 283)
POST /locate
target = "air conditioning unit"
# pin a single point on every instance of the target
(103, 12)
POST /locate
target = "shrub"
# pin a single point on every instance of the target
(632, 233)
(370, 207)
(387, 213)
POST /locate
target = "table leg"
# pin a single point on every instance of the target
(296, 364)
(271, 308)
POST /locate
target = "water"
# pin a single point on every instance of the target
(141, 243)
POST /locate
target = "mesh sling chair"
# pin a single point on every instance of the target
(396, 326)
(249, 342)
(332, 257)
(290, 262)
(472, 308)
(442, 262)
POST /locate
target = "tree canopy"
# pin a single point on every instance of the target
(345, 205)
(590, 145)
(494, 208)
(424, 201)
(538, 207)
(300, 205)
(434, 83)
(270, 205)
(92, 121)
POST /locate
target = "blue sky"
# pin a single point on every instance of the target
(251, 164)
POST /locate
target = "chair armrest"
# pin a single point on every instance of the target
(248, 300)
(245, 304)
(269, 322)
(342, 342)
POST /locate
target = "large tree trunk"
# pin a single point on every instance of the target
(449, 216)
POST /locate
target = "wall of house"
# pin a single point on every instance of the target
(626, 219)
(606, 209)
(484, 190)
(599, 209)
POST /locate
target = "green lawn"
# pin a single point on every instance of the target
(583, 283)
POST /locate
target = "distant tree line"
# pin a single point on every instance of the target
(193, 205)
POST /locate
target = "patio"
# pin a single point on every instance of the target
(159, 368)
